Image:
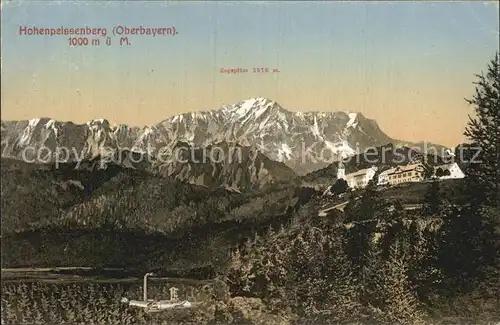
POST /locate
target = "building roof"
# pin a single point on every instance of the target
(445, 166)
(401, 169)
(387, 172)
(361, 172)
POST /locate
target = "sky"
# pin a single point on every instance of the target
(408, 65)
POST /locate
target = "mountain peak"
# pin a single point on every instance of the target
(99, 122)
(255, 106)
(259, 99)
(353, 120)
(253, 103)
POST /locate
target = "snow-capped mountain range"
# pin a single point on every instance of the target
(304, 141)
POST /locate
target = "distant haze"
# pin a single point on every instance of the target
(409, 66)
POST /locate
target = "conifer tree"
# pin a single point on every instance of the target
(391, 297)
(483, 130)
(432, 200)
(470, 244)
(339, 187)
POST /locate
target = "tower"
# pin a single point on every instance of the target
(173, 294)
(145, 286)
(341, 171)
